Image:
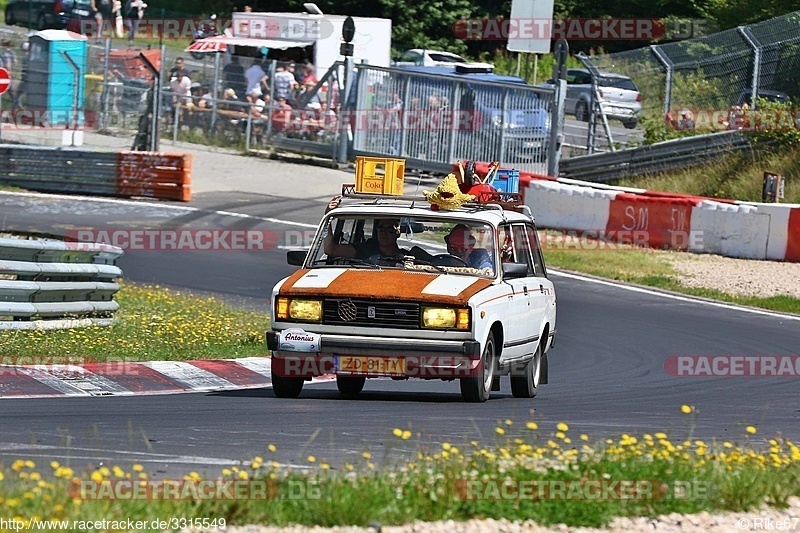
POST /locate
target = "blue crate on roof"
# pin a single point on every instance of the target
(507, 180)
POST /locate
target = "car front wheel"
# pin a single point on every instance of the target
(582, 112)
(478, 388)
(287, 387)
(350, 386)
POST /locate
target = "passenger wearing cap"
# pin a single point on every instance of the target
(461, 244)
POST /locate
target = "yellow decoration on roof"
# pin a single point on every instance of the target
(447, 195)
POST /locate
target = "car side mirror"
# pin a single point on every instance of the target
(296, 257)
(515, 270)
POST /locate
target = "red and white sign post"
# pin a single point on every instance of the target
(5, 80)
(5, 84)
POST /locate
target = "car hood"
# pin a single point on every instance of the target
(389, 284)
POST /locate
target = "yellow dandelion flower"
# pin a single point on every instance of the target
(500, 431)
(30, 464)
(35, 476)
(685, 409)
(366, 455)
(661, 436)
(97, 477)
(54, 465)
(751, 430)
(311, 459)
(532, 426)
(137, 468)
(584, 437)
(397, 432)
(446, 446)
(226, 472)
(560, 435)
(562, 427)
(243, 475)
(509, 422)
(406, 435)
(272, 448)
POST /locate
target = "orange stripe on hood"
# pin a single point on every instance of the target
(383, 285)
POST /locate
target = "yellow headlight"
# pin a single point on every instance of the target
(282, 308)
(434, 317)
(308, 310)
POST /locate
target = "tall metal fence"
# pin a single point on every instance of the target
(432, 120)
(709, 74)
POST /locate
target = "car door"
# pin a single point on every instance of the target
(571, 97)
(517, 339)
(543, 296)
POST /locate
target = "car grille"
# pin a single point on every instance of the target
(370, 313)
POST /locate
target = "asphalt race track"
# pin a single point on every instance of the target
(607, 371)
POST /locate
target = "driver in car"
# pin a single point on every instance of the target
(382, 249)
(461, 244)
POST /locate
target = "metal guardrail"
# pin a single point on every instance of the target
(654, 158)
(123, 173)
(57, 285)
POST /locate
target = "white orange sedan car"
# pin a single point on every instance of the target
(393, 288)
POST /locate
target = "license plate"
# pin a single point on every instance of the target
(81, 12)
(298, 340)
(370, 365)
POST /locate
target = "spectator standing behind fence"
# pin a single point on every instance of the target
(22, 88)
(133, 11)
(103, 10)
(283, 82)
(182, 89)
(233, 76)
(179, 70)
(308, 74)
(254, 76)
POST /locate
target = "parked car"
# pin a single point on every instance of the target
(49, 14)
(434, 313)
(432, 58)
(746, 97)
(619, 97)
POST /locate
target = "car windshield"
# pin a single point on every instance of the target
(421, 243)
(617, 83)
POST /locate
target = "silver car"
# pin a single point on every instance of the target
(619, 97)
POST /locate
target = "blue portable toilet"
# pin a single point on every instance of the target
(52, 79)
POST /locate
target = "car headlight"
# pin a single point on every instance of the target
(445, 318)
(298, 309)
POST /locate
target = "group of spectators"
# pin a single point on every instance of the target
(297, 107)
(111, 14)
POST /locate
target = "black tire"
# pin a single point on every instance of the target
(10, 20)
(582, 112)
(41, 23)
(350, 386)
(478, 388)
(199, 56)
(525, 384)
(286, 387)
(630, 124)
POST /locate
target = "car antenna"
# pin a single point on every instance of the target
(419, 180)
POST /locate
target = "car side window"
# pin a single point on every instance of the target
(521, 249)
(536, 252)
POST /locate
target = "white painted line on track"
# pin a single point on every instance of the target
(187, 209)
(687, 299)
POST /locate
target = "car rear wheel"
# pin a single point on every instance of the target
(630, 124)
(526, 384)
(582, 112)
(350, 386)
(478, 388)
(41, 23)
(10, 20)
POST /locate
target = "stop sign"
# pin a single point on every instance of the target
(5, 80)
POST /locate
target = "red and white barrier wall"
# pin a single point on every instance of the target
(664, 220)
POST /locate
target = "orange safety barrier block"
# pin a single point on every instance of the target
(154, 175)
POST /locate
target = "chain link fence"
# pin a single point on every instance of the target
(708, 75)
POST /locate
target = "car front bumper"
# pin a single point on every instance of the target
(420, 357)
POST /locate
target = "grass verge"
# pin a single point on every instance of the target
(651, 268)
(153, 323)
(646, 476)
